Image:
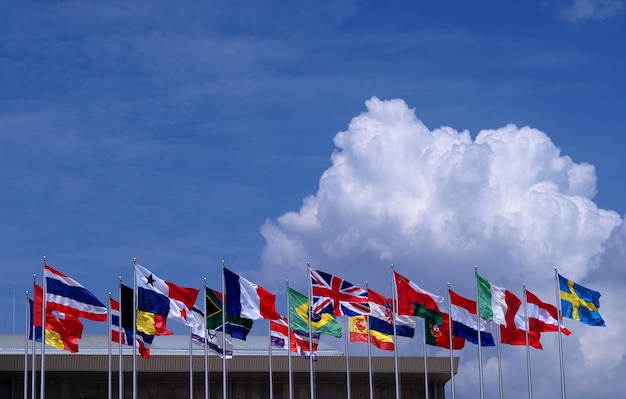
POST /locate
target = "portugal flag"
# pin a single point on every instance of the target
(440, 335)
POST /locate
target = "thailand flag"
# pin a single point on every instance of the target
(180, 299)
(65, 295)
(334, 295)
(248, 300)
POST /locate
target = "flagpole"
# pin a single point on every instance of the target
(527, 327)
(480, 352)
(26, 321)
(110, 376)
(425, 360)
(347, 325)
(190, 366)
(206, 347)
(451, 338)
(269, 328)
(310, 294)
(120, 373)
(224, 330)
(369, 350)
(134, 327)
(394, 312)
(558, 322)
(42, 381)
(34, 347)
(498, 347)
(289, 341)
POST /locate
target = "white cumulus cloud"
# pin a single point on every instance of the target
(437, 202)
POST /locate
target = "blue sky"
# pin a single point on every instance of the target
(186, 134)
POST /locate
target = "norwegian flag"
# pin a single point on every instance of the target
(334, 295)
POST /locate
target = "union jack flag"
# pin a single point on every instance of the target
(334, 295)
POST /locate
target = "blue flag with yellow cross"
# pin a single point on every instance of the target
(580, 303)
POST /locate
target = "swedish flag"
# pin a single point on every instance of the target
(580, 303)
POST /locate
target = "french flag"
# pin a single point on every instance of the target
(65, 295)
(248, 300)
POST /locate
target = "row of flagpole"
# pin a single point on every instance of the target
(311, 368)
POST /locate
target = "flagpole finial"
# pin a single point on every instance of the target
(524, 286)
(205, 281)
(448, 283)
(392, 266)
(134, 261)
(476, 269)
(44, 260)
(308, 264)
(120, 278)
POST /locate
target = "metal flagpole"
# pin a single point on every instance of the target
(500, 383)
(289, 341)
(310, 295)
(559, 315)
(110, 374)
(224, 330)
(134, 328)
(451, 339)
(120, 371)
(480, 351)
(394, 312)
(369, 351)
(42, 382)
(26, 320)
(206, 346)
(526, 328)
(346, 323)
(425, 360)
(190, 366)
(269, 329)
(33, 346)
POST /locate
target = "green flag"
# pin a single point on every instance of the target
(323, 323)
(236, 326)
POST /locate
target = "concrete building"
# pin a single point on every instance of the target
(166, 374)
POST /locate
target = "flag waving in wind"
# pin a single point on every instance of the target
(179, 299)
(334, 295)
(580, 303)
(491, 301)
(414, 301)
(65, 295)
(248, 300)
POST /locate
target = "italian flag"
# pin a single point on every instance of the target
(491, 301)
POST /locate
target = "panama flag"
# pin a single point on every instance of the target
(180, 299)
(248, 300)
(65, 295)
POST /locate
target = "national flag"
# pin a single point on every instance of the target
(542, 317)
(118, 333)
(61, 329)
(299, 311)
(212, 338)
(439, 335)
(464, 323)
(236, 327)
(122, 323)
(358, 333)
(491, 301)
(334, 295)
(381, 317)
(35, 324)
(299, 339)
(514, 332)
(580, 303)
(65, 295)
(179, 299)
(414, 301)
(248, 300)
(152, 311)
